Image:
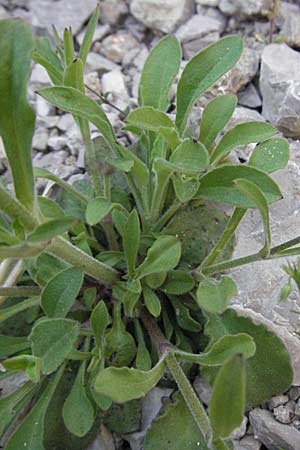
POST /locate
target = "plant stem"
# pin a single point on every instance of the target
(15, 210)
(154, 332)
(91, 266)
(234, 221)
(20, 291)
(168, 215)
(192, 401)
(16, 270)
(91, 156)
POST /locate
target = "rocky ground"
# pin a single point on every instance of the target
(267, 82)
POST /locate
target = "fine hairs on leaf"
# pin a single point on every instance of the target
(115, 283)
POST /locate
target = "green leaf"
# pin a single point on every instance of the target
(73, 75)
(269, 371)
(242, 134)
(227, 403)
(270, 155)
(178, 282)
(29, 364)
(97, 209)
(48, 58)
(203, 70)
(190, 157)
(78, 411)
(17, 119)
(219, 185)
(183, 316)
(171, 136)
(29, 433)
(68, 46)
(6, 313)
(162, 256)
(215, 117)
(60, 293)
(174, 429)
(100, 319)
(222, 349)
(185, 187)
(155, 280)
(143, 358)
(12, 344)
(49, 208)
(9, 404)
(73, 101)
(88, 35)
(148, 118)
(159, 72)
(131, 240)
(120, 346)
(256, 195)
(152, 301)
(128, 293)
(124, 384)
(52, 340)
(51, 229)
(214, 296)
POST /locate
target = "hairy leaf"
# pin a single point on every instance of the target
(17, 119)
(178, 282)
(190, 157)
(214, 296)
(162, 256)
(131, 240)
(97, 209)
(12, 344)
(159, 72)
(148, 118)
(152, 301)
(100, 319)
(50, 229)
(203, 70)
(270, 155)
(215, 116)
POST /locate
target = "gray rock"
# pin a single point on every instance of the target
(40, 139)
(250, 97)
(12, 383)
(114, 83)
(289, 22)
(297, 408)
(3, 13)
(212, 3)
(243, 8)
(56, 162)
(273, 434)
(239, 432)
(294, 393)
(285, 413)
(100, 32)
(248, 443)
(65, 122)
(39, 75)
(280, 88)
(113, 10)
(191, 48)
(162, 15)
(63, 13)
(278, 400)
(91, 80)
(198, 26)
(115, 46)
(203, 389)
(99, 63)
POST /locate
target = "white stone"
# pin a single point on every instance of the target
(162, 15)
(114, 83)
(280, 88)
(99, 63)
(100, 32)
(39, 75)
(115, 46)
(243, 7)
(40, 139)
(113, 10)
(239, 432)
(289, 22)
(62, 13)
(212, 3)
(198, 26)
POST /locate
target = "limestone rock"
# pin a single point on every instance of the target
(198, 26)
(63, 13)
(113, 10)
(115, 46)
(278, 400)
(114, 83)
(289, 23)
(250, 97)
(280, 88)
(162, 15)
(244, 8)
(248, 443)
(285, 413)
(100, 64)
(212, 3)
(273, 434)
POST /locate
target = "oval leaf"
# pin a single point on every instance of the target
(203, 70)
(124, 384)
(227, 403)
(148, 118)
(158, 73)
(214, 296)
(215, 116)
(131, 240)
(178, 282)
(60, 293)
(97, 209)
(162, 256)
(50, 229)
(270, 155)
(152, 301)
(52, 340)
(78, 411)
(242, 134)
(190, 157)
(218, 185)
